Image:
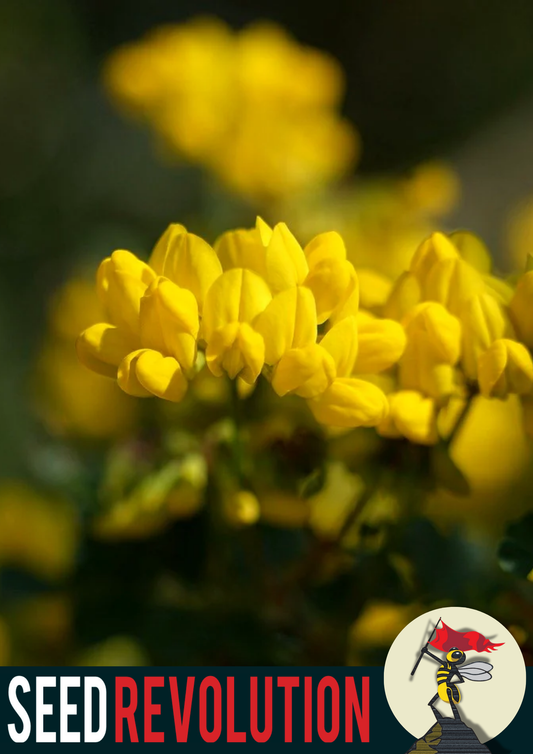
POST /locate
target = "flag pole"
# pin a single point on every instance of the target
(413, 671)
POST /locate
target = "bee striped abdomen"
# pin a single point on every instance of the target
(444, 673)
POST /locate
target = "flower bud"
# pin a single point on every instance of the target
(483, 322)
(521, 307)
(350, 402)
(411, 415)
(122, 280)
(505, 367)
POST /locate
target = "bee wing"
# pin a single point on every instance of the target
(477, 671)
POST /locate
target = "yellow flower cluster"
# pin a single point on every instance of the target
(254, 303)
(463, 327)
(255, 107)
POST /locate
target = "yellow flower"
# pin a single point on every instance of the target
(411, 415)
(381, 343)
(405, 294)
(150, 343)
(242, 508)
(433, 188)
(433, 348)
(187, 260)
(492, 452)
(332, 504)
(254, 303)
(505, 367)
(70, 399)
(377, 627)
(483, 321)
(435, 249)
(521, 308)
(233, 302)
(223, 99)
(122, 650)
(36, 533)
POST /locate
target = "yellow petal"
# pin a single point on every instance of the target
(189, 262)
(289, 321)
(102, 347)
(122, 281)
(452, 282)
(127, 377)
(236, 296)
(236, 349)
(381, 344)
(413, 416)
(472, 249)
(505, 367)
(159, 254)
(241, 248)
(305, 371)
(330, 281)
(374, 289)
(434, 249)
(350, 402)
(442, 329)
(521, 308)
(483, 322)
(404, 296)
(342, 343)
(348, 306)
(169, 321)
(161, 375)
(264, 230)
(325, 246)
(420, 369)
(285, 261)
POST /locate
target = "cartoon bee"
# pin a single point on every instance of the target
(448, 669)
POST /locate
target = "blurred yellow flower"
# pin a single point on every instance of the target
(121, 650)
(255, 107)
(458, 319)
(521, 308)
(492, 452)
(71, 400)
(382, 221)
(242, 508)
(519, 233)
(36, 533)
(377, 627)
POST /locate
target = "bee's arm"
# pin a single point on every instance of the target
(460, 677)
(426, 651)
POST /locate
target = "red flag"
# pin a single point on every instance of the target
(447, 638)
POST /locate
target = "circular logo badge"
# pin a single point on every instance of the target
(454, 671)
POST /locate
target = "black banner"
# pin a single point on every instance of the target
(266, 707)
